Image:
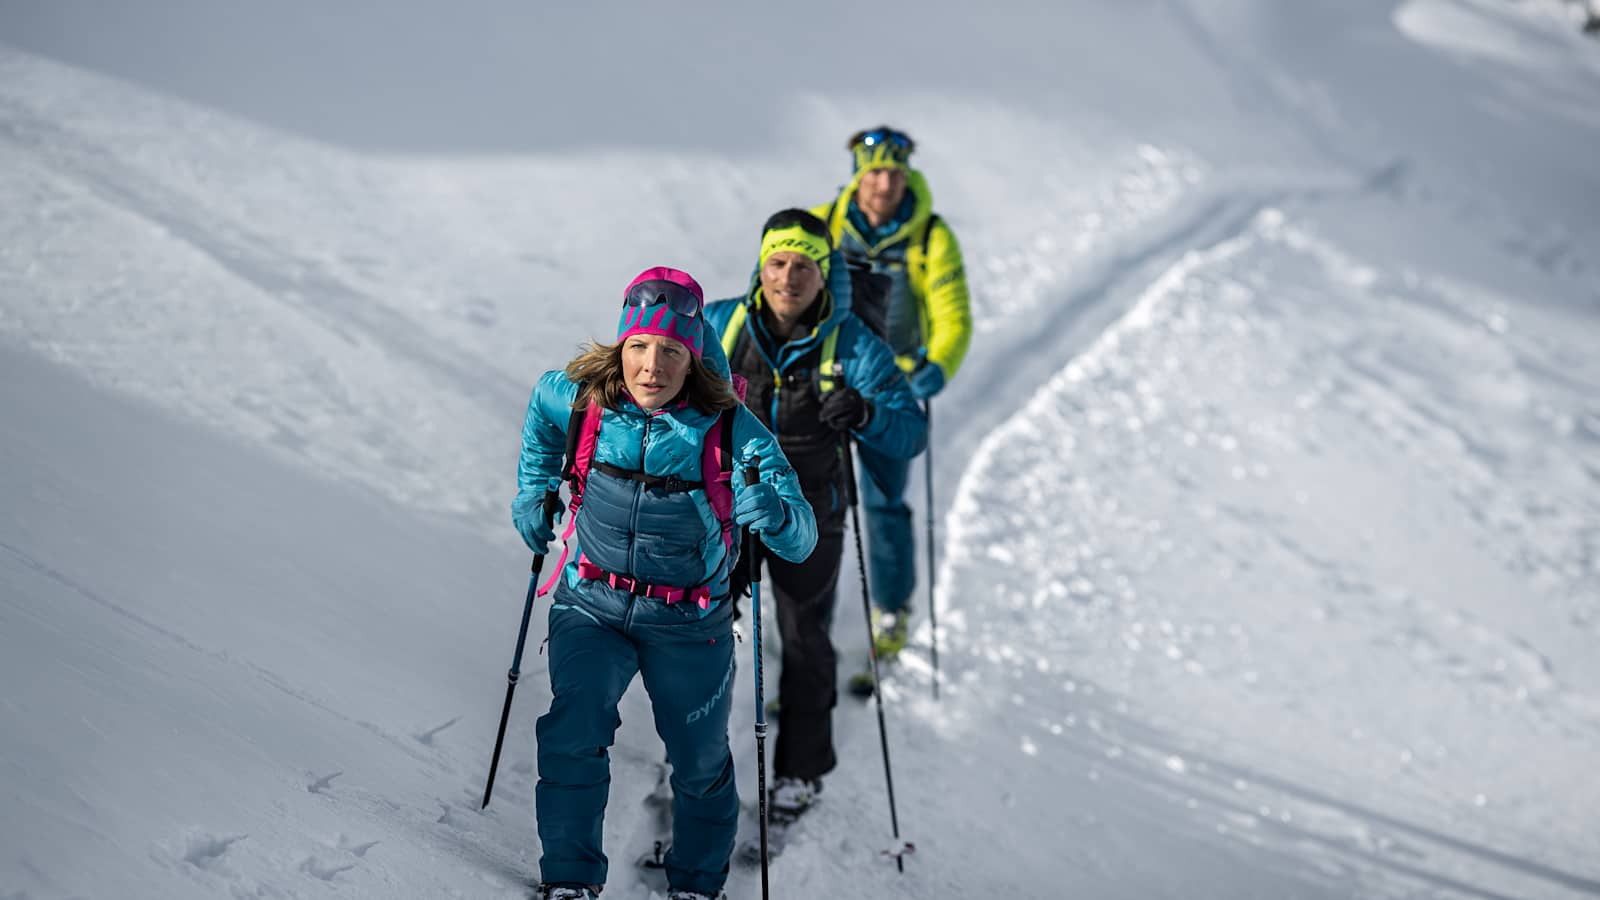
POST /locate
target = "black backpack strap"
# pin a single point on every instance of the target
(671, 484)
(727, 439)
(746, 547)
(741, 346)
(933, 219)
(574, 424)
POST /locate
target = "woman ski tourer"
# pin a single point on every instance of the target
(651, 437)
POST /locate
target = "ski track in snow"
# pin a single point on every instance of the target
(1115, 580)
(1098, 303)
(286, 401)
(254, 670)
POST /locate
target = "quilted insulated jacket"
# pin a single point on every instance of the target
(788, 384)
(928, 306)
(672, 539)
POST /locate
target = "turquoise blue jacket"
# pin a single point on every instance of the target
(670, 539)
(898, 427)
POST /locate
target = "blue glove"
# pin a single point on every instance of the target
(760, 508)
(537, 531)
(926, 380)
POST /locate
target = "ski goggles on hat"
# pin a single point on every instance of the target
(674, 296)
(882, 146)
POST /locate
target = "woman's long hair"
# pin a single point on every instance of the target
(597, 371)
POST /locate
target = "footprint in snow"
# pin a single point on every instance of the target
(324, 870)
(354, 848)
(205, 851)
(322, 783)
(426, 737)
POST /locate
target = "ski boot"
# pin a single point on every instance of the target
(790, 797)
(889, 633)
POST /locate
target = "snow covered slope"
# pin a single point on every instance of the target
(1268, 499)
(223, 673)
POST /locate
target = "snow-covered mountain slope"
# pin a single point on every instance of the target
(225, 675)
(1268, 498)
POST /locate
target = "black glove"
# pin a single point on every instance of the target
(845, 409)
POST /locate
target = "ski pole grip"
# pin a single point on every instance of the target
(848, 463)
(551, 505)
(752, 472)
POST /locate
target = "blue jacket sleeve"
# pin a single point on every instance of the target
(544, 440)
(898, 427)
(795, 540)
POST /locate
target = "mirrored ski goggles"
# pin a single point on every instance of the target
(676, 297)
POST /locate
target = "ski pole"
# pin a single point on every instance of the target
(552, 502)
(752, 475)
(933, 603)
(872, 648)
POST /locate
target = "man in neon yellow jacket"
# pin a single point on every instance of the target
(883, 220)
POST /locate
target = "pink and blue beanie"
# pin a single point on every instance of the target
(659, 318)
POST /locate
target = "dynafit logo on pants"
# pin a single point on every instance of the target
(706, 707)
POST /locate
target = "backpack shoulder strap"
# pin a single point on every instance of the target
(927, 232)
(574, 427)
(829, 373)
(732, 330)
(918, 262)
(583, 433)
(725, 448)
(716, 468)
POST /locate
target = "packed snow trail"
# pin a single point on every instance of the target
(1092, 572)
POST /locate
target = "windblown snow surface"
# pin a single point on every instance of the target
(1267, 502)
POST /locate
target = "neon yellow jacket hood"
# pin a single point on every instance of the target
(936, 275)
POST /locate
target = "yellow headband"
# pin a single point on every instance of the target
(795, 239)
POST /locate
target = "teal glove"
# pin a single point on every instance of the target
(537, 531)
(759, 508)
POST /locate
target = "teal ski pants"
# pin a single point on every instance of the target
(891, 547)
(599, 638)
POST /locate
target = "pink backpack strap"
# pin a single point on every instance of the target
(719, 468)
(716, 467)
(717, 464)
(582, 437)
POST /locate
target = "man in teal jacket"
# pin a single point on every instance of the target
(816, 375)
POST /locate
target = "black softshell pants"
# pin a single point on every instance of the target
(808, 686)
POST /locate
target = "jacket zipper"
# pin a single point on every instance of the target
(638, 496)
(777, 394)
(633, 525)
